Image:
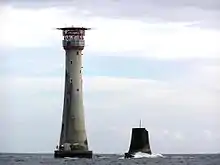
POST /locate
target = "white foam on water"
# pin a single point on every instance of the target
(69, 158)
(145, 155)
(104, 157)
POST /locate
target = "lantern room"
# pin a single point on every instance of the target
(73, 37)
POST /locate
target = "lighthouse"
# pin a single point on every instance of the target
(73, 138)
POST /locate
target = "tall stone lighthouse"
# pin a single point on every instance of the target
(73, 138)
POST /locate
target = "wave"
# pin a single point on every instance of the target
(145, 155)
(70, 158)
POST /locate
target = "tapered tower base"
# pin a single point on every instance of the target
(72, 154)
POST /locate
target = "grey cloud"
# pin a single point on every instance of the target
(203, 4)
(205, 12)
(34, 4)
(156, 10)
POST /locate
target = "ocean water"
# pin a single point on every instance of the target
(155, 159)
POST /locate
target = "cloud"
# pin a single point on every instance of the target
(26, 61)
(27, 27)
(154, 63)
(206, 13)
(178, 136)
(119, 102)
(34, 28)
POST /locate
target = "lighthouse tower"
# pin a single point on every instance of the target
(73, 138)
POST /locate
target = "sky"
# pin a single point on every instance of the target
(158, 61)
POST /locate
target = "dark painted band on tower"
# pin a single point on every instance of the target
(139, 141)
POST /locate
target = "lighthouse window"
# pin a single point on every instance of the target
(80, 71)
(77, 89)
(70, 80)
(77, 53)
(71, 62)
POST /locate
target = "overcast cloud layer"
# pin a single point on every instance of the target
(201, 13)
(155, 60)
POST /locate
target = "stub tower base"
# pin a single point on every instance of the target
(139, 142)
(72, 154)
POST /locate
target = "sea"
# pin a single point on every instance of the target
(111, 159)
